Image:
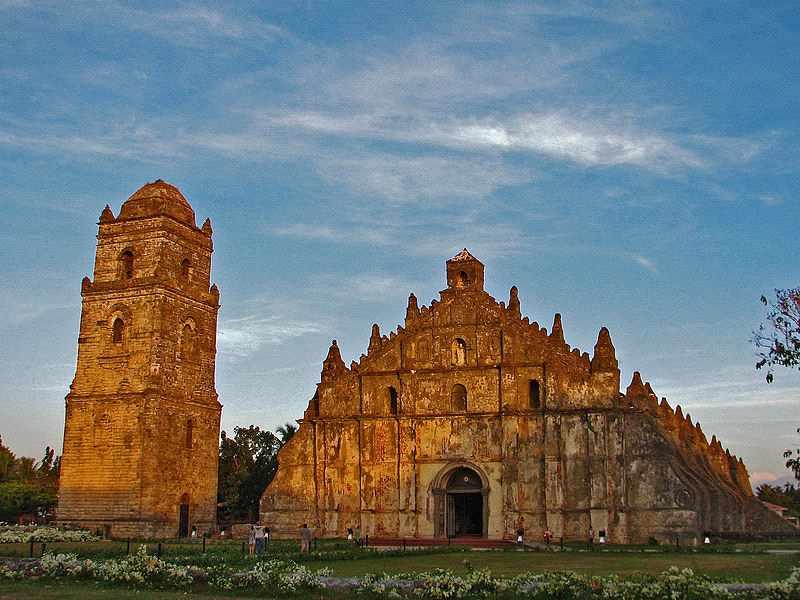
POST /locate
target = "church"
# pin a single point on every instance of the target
(469, 421)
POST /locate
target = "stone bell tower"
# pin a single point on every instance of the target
(142, 420)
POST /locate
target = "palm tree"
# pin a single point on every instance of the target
(285, 432)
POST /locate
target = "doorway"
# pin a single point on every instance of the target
(464, 504)
(183, 517)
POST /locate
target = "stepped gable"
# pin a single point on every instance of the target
(471, 388)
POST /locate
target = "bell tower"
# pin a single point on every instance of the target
(142, 420)
(464, 271)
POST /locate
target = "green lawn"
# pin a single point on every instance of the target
(723, 567)
(89, 591)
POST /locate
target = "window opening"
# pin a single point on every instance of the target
(535, 394)
(127, 264)
(118, 331)
(458, 398)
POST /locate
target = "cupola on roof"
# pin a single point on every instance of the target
(155, 199)
(464, 271)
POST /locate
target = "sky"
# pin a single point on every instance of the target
(629, 165)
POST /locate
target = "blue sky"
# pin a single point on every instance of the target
(628, 165)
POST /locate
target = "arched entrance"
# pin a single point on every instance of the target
(460, 503)
(464, 504)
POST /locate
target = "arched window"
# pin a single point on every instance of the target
(118, 331)
(187, 342)
(462, 280)
(458, 398)
(189, 434)
(186, 268)
(534, 394)
(392, 401)
(126, 264)
(459, 352)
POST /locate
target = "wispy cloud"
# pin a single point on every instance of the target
(770, 199)
(407, 179)
(645, 263)
(244, 336)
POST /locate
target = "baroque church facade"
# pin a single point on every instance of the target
(469, 420)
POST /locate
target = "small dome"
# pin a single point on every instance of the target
(158, 198)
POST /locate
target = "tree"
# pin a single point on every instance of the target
(18, 498)
(286, 432)
(777, 343)
(7, 462)
(777, 340)
(247, 463)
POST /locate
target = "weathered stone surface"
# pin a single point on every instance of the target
(142, 415)
(538, 431)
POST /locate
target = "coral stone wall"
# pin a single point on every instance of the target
(142, 416)
(544, 427)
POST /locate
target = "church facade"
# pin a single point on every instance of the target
(141, 431)
(470, 420)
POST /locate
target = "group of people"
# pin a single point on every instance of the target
(259, 536)
(354, 535)
(257, 540)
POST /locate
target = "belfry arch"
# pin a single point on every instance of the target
(460, 501)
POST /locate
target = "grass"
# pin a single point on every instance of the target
(62, 590)
(722, 567)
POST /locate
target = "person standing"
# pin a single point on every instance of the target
(251, 542)
(591, 538)
(306, 535)
(260, 538)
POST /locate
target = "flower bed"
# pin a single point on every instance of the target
(23, 535)
(288, 577)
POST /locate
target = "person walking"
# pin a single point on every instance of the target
(591, 538)
(306, 535)
(251, 542)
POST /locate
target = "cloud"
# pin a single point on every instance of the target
(645, 262)
(770, 199)
(590, 141)
(488, 240)
(244, 336)
(349, 234)
(406, 179)
(763, 477)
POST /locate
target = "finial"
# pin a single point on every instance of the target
(679, 412)
(374, 339)
(107, 216)
(206, 228)
(214, 291)
(558, 331)
(86, 284)
(513, 302)
(636, 389)
(604, 358)
(412, 310)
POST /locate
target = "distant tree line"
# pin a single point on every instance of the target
(787, 496)
(27, 487)
(247, 463)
